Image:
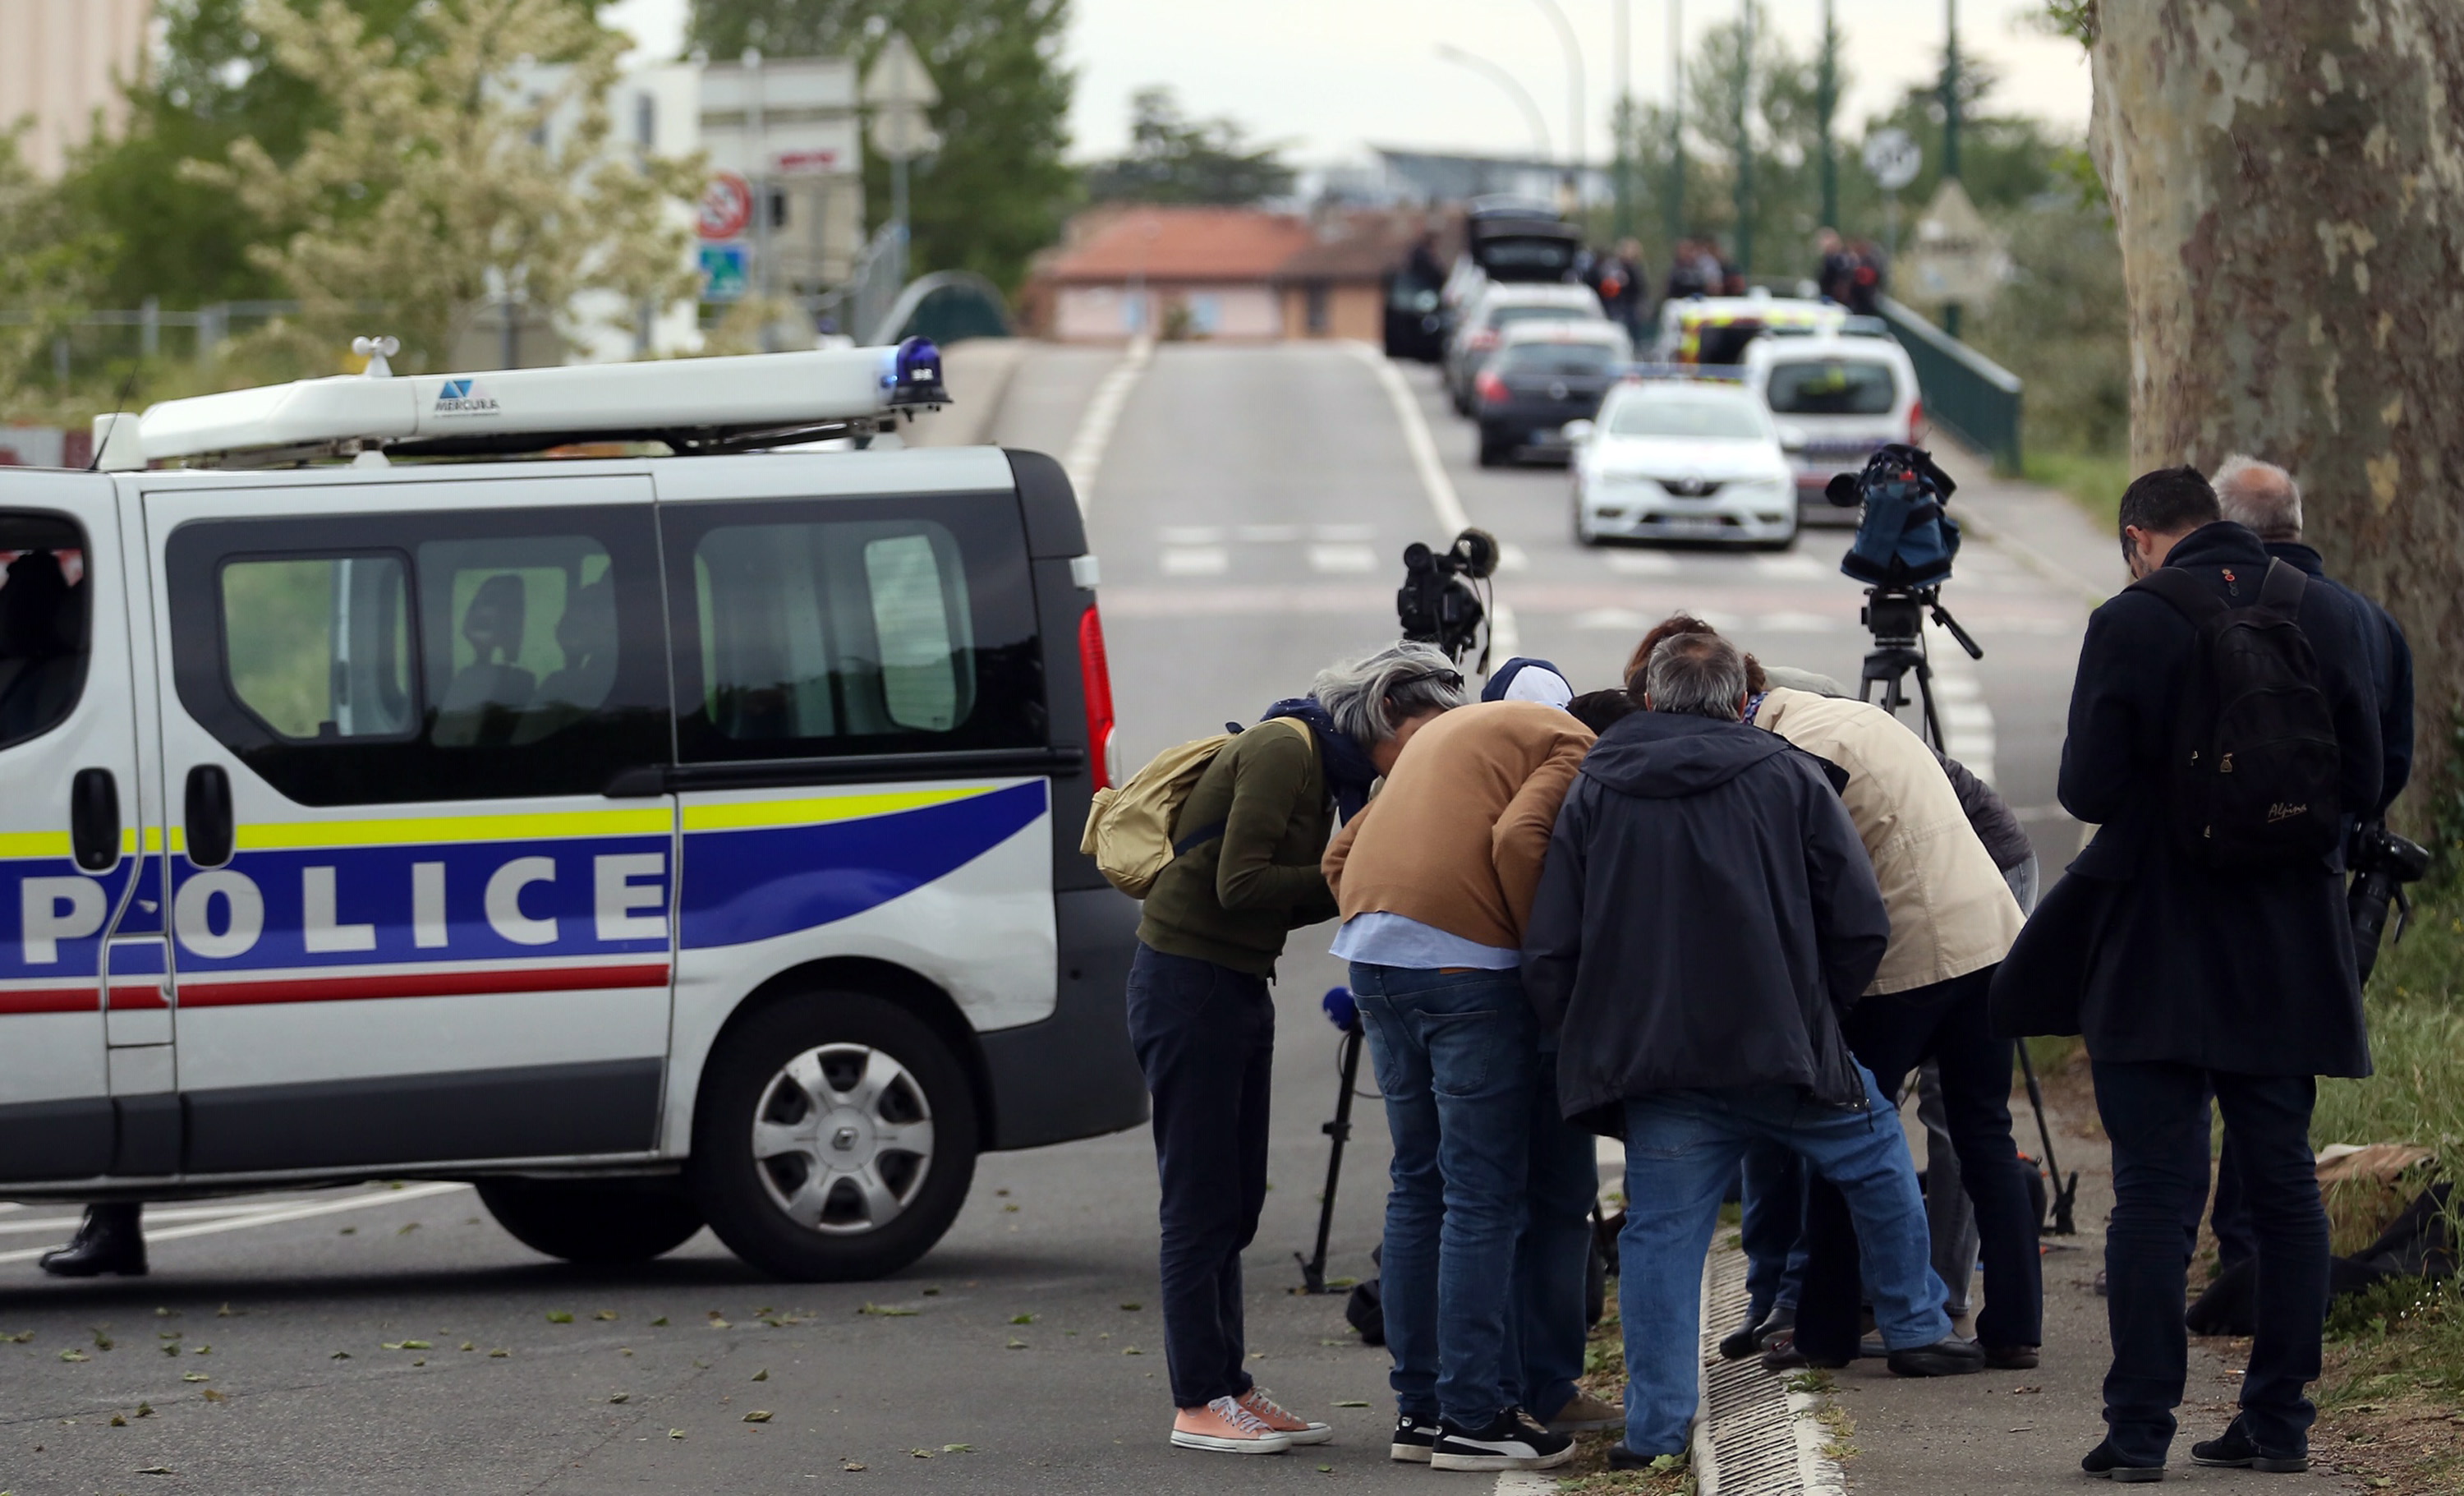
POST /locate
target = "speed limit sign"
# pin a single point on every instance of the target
(726, 207)
(1893, 158)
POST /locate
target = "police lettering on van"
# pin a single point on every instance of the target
(657, 842)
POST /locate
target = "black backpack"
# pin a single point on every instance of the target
(2255, 766)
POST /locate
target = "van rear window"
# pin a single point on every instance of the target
(1834, 387)
(44, 608)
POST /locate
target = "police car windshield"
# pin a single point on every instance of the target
(1694, 415)
(1498, 316)
(1833, 386)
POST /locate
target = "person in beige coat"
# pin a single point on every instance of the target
(1952, 920)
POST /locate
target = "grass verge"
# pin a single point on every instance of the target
(2391, 1403)
(2093, 480)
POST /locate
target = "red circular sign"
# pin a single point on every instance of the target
(726, 207)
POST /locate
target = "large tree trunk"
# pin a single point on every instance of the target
(2287, 177)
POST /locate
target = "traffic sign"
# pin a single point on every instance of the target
(900, 92)
(1958, 256)
(726, 207)
(724, 276)
(1893, 158)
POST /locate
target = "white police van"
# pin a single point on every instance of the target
(652, 840)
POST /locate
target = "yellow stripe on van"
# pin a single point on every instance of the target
(425, 831)
(748, 815)
(33, 844)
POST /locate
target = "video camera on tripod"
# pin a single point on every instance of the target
(1439, 602)
(1904, 547)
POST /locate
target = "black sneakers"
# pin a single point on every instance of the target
(1511, 1442)
(1951, 1357)
(2102, 1462)
(2236, 1449)
(1413, 1441)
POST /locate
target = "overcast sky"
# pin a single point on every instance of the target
(1330, 77)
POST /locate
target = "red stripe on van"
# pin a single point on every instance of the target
(420, 984)
(50, 999)
(138, 998)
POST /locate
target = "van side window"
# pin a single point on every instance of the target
(321, 649)
(477, 654)
(45, 603)
(859, 629)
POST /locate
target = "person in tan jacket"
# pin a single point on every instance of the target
(1953, 918)
(1435, 881)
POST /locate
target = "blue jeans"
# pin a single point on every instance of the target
(1554, 1256)
(2157, 1117)
(1205, 1037)
(1682, 1149)
(1455, 1058)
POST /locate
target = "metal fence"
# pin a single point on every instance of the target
(97, 336)
(1975, 398)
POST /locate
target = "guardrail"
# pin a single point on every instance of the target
(1975, 398)
(945, 306)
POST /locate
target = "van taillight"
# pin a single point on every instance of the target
(1916, 423)
(1095, 682)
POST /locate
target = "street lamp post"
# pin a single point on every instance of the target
(1573, 97)
(1950, 126)
(1514, 90)
(1745, 140)
(1672, 211)
(1621, 125)
(1826, 105)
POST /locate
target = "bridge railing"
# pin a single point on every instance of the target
(1966, 394)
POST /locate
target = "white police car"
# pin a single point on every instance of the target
(1675, 456)
(652, 840)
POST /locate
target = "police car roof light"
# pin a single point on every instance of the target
(692, 403)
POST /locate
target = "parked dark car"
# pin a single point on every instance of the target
(1533, 384)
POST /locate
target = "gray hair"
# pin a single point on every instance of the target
(1370, 698)
(1696, 676)
(2259, 494)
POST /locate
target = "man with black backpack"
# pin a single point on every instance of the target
(2221, 726)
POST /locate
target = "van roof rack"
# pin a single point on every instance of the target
(693, 404)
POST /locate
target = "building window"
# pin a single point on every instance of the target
(1314, 317)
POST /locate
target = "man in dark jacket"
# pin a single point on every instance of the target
(2196, 980)
(2264, 498)
(1706, 915)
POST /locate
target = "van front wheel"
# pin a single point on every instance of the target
(835, 1139)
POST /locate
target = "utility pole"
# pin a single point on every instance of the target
(759, 150)
(1674, 209)
(1951, 127)
(1621, 121)
(1745, 139)
(1826, 105)
(1573, 186)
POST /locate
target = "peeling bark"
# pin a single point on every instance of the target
(2287, 179)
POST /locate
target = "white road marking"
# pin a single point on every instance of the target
(1195, 560)
(1416, 441)
(65, 1224)
(1959, 698)
(1511, 557)
(1085, 455)
(1642, 563)
(1191, 534)
(274, 1215)
(1341, 560)
(1505, 635)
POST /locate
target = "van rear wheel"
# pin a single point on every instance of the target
(598, 1222)
(835, 1139)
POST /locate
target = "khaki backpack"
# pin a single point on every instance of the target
(1129, 828)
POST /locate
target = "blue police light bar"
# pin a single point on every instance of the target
(914, 377)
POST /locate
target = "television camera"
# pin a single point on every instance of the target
(1441, 601)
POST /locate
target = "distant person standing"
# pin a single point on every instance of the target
(2208, 949)
(1620, 280)
(1833, 267)
(1869, 278)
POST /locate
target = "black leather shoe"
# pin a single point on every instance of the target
(108, 1239)
(1621, 1457)
(2235, 1449)
(2010, 1358)
(1781, 1355)
(1757, 1334)
(2102, 1461)
(1950, 1356)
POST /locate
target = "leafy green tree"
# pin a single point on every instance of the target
(46, 269)
(996, 189)
(1172, 159)
(439, 184)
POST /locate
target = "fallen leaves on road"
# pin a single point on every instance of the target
(761, 1375)
(116, 1422)
(145, 1410)
(154, 1469)
(659, 1321)
(1132, 1308)
(757, 1416)
(1015, 1344)
(622, 1397)
(850, 1465)
(101, 1341)
(1351, 1402)
(500, 1354)
(229, 1312)
(212, 1395)
(341, 1356)
(886, 1311)
(920, 1454)
(675, 1433)
(1022, 1319)
(468, 1346)
(75, 1356)
(605, 1314)
(559, 1316)
(22, 1337)
(194, 1376)
(1131, 1350)
(406, 1229)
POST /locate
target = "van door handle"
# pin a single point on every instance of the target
(93, 819)
(209, 819)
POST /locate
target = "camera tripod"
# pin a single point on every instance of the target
(1896, 617)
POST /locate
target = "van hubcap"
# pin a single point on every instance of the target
(843, 1139)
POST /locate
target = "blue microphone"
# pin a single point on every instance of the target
(1340, 1009)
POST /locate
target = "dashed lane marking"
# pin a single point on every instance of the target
(1342, 560)
(1085, 455)
(1195, 560)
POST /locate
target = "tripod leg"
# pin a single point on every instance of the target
(1313, 1267)
(1932, 721)
(2062, 1223)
